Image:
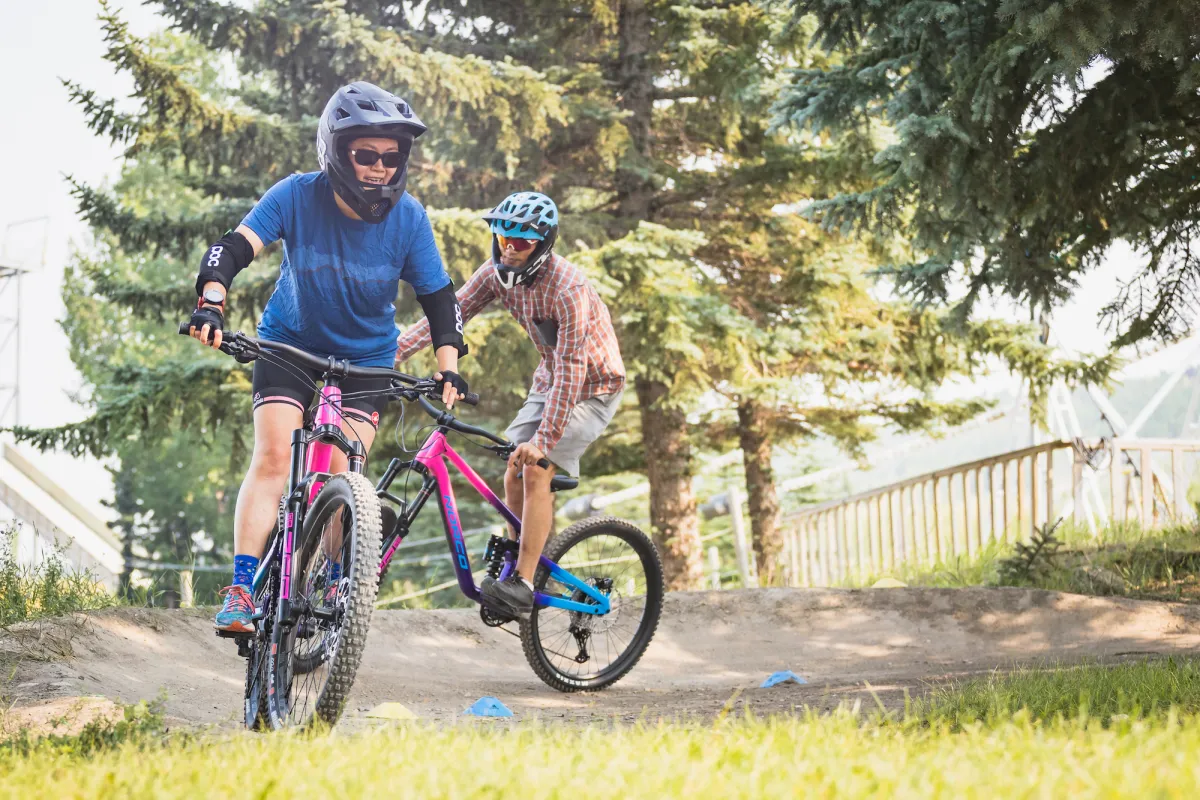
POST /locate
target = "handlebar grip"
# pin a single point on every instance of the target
(185, 330)
(544, 463)
(472, 399)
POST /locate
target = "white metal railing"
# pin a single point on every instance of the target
(957, 511)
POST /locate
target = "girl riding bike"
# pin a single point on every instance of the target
(351, 233)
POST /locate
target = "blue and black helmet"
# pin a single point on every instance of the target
(357, 110)
(523, 215)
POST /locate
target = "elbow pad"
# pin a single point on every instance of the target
(225, 259)
(445, 318)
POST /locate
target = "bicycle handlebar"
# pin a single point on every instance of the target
(243, 347)
(447, 419)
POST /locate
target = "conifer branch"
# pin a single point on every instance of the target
(156, 232)
(146, 402)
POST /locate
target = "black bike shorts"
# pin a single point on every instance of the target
(276, 384)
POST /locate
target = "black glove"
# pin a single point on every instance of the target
(208, 314)
(454, 379)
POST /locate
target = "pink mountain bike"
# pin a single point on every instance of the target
(598, 588)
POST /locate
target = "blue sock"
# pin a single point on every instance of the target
(335, 573)
(244, 568)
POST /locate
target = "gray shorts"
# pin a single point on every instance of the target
(588, 420)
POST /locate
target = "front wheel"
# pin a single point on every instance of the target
(573, 651)
(316, 650)
(257, 714)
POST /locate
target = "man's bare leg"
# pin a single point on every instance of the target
(514, 495)
(537, 514)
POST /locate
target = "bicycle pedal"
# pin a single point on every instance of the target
(235, 634)
(243, 641)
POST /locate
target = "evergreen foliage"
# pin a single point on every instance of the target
(1029, 137)
(649, 121)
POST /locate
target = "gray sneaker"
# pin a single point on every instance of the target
(510, 595)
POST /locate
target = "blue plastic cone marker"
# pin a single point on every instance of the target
(783, 676)
(488, 707)
(393, 711)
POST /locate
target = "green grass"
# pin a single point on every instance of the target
(1128, 731)
(140, 725)
(1145, 690)
(46, 590)
(1123, 559)
(816, 757)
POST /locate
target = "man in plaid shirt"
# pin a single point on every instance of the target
(577, 387)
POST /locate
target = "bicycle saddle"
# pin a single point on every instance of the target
(562, 483)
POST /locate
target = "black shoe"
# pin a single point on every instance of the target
(510, 595)
(487, 581)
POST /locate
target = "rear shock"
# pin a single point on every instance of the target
(493, 555)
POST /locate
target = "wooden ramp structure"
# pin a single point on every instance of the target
(958, 511)
(52, 519)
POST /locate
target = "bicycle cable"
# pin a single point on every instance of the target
(295, 372)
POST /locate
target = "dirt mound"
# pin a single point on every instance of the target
(709, 645)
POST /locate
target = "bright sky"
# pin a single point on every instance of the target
(44, 137)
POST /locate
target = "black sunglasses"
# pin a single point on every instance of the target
(367, 158)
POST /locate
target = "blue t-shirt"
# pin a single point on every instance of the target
(337, 284)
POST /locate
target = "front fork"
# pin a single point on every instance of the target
(300, 486)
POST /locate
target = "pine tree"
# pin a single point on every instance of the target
(228, 143)
(172, 490)
(647, 120)
(1029, 138)
(517, 95)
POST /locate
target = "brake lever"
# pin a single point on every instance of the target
(242, 351)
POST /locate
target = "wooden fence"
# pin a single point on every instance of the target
(958, 511)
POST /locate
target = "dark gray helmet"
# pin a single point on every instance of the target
(357, 110)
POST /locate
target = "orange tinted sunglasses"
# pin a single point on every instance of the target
(520, 245)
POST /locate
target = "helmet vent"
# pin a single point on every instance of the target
(404, 110)
(341, 113)
(366, 105)
(352, 90)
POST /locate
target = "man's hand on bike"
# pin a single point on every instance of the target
(209, 316)
(526, 455)
(452, 386)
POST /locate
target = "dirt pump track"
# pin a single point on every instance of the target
(712, 650)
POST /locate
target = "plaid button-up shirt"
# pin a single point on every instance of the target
(585, 362)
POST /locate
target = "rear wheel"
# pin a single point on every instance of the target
(573, 651)
(318, 649)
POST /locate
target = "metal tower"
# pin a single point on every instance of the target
(12, 270)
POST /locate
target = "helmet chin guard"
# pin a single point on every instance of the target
(361, 110)
(526, 275)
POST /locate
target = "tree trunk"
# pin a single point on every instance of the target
(753, 435)
(636, 81)
(673, 522)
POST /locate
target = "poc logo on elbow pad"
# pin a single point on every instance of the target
(458, 318)
(214, 255)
